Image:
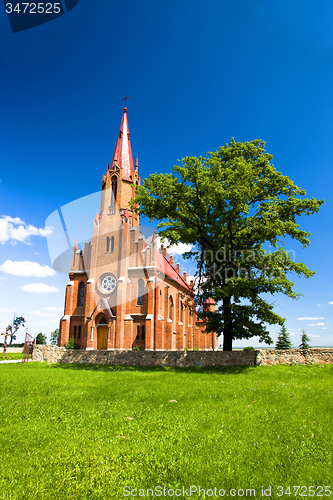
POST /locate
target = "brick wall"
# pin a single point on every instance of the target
(55, 354)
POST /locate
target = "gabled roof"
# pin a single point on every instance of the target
(103, 305)
(167, 268)
(122, 151)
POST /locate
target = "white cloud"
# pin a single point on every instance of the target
(53, 308)
(39, 288)
(310, 319)
(48, 322)
(7, 310)
(317, 324)
(26, 268)
(314, 336)
(320, 305)
(39, 313)
(325, 328)
(14, 229)
(331, 302)
(178, 249)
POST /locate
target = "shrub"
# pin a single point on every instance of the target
(136, 348)
(71, 344)
(249, 348)
(195, 348)
(185, 348)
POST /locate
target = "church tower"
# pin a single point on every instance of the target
(122, 292)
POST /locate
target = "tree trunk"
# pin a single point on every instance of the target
(227, 334)
(227, 342)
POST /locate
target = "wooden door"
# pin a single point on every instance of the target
(102, 337)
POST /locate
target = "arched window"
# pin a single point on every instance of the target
(80, 296)
(75, 331)
(138, 332)
(107, 244)
(171, 308)
(160, 299)
(141, 291)
(181, 317)
(103, 321)
(114, 191)
(79, 333)
(112, 244)
(143, 333)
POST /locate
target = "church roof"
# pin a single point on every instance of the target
(209, 301)
(122, 151)
(167, 268)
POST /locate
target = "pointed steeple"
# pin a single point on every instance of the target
(122, 151)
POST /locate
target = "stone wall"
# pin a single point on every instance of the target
(55, 354)
(294, 356)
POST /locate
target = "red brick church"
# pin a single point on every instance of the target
(124, 291)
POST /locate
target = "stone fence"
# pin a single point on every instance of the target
(55, 354)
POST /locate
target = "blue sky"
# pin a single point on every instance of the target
(198, 73)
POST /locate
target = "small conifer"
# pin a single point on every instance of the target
(304, 341)
(283, 341)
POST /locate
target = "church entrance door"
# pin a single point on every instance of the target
(102, 337)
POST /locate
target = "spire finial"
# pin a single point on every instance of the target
(125, 99)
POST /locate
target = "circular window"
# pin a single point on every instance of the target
(108, 284)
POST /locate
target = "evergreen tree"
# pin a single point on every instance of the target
(41, 339)
(283, 341)
(304, 341)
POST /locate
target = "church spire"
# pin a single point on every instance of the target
(122, 152)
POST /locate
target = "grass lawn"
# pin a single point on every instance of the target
(12, 355)
(85, 432)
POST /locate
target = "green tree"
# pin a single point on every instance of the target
(304, 341)
(54, 337)
(18, 321)
(283, 341)
(229, 204)
(41, 339)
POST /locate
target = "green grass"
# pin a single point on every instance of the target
(84, 432)
(12, 355)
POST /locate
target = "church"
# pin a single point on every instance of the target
(124, 292)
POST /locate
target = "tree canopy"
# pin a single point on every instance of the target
(228, 205)
(54, 337)
(41, 339)
(12, 329)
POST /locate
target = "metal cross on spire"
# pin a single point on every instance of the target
(125, 99)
